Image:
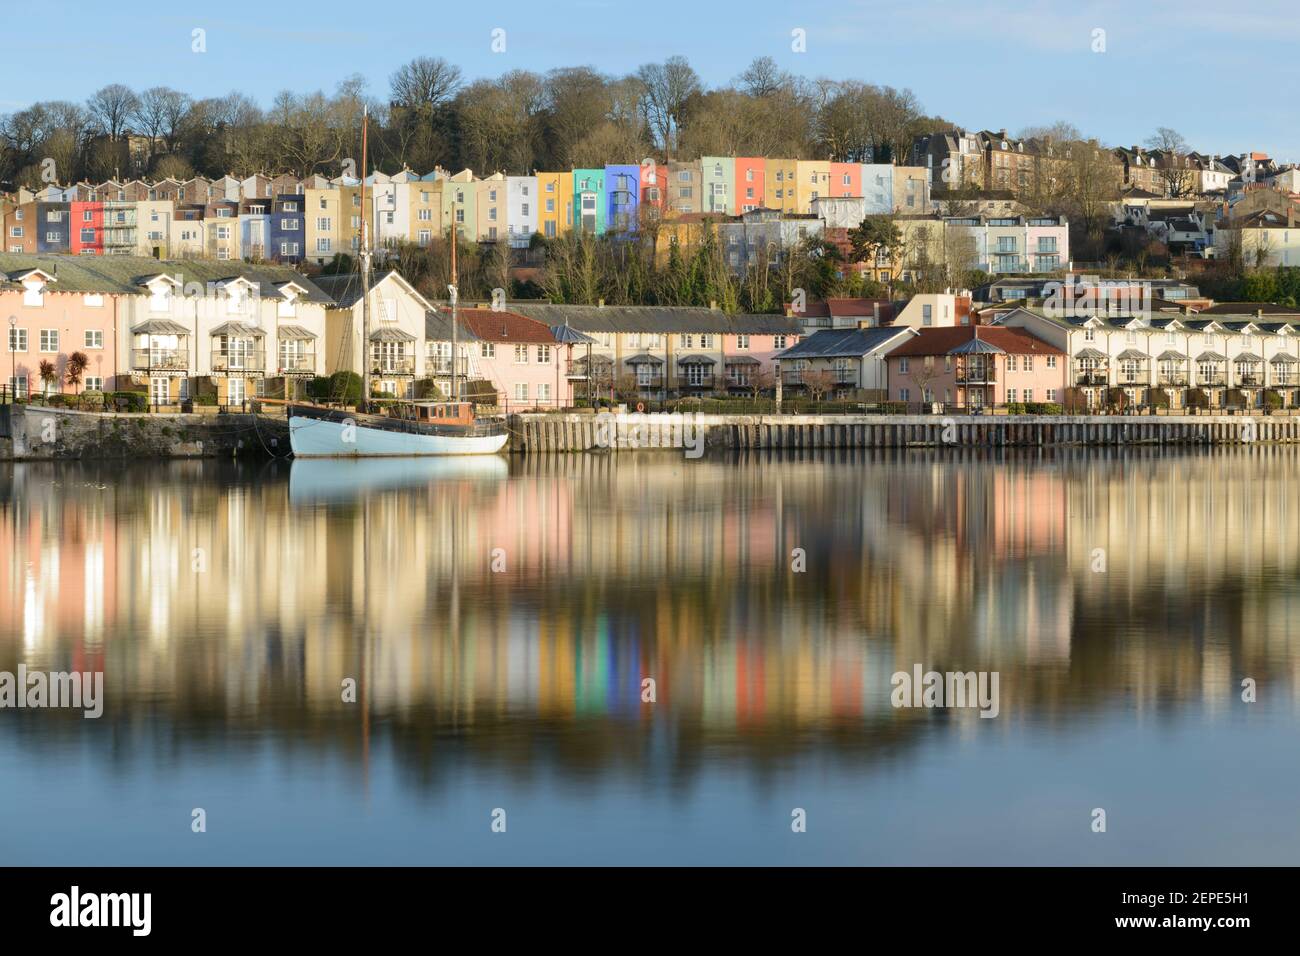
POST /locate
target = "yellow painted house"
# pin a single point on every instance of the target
(812, 180)
(426, 215)
(555, 203)
(779, 185)
(490, 197)
(324, 231)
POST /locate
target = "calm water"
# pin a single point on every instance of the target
(226, 604)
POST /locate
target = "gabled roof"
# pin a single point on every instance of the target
(490, 326)
(121, 275)
(941, 341)
(345, 288)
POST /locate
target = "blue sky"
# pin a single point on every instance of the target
(1220, 73)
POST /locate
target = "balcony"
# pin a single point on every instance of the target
(977, 376)
(238, 362)
(1249, 379)
(301, 364)
(1093, 378)
(1213, 380)
(392, 366)
(703, 380)
(1173, 380)
(160, 360)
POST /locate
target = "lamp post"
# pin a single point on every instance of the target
(13, 360)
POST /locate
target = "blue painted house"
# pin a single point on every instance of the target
(52, 226)
(622, 198)
(288, 228)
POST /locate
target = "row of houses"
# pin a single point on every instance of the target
(227, 333)
(291, 220)
(993, 160)
(1022, 354)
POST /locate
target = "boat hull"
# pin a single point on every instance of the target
(321, 438)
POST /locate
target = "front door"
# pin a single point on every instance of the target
(160, 391)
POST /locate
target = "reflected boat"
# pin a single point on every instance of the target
(313, 481)
(419, 428)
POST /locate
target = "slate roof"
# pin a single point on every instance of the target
(840, 343)
(662, 319)
(121, 275)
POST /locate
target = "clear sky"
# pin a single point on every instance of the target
(1221, 73)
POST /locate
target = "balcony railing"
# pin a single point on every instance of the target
(392, 366)
(302, 364)
(704, 380)
(1212, 380)
(652, 381)
(1091, 378)
(976, 376)
(146, 360)
(1250, 379)
(1178, 380)
(238, 360)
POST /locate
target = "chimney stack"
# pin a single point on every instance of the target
(875, 313)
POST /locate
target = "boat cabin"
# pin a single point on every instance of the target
(441, 413)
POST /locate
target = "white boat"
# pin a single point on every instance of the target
(408, 428)
(446, 428)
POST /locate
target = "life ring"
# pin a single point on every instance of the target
(640, 406)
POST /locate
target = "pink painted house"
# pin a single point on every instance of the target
(976, 366)
(846, 179)
(44, 323)
(750, 184)
(520, 357)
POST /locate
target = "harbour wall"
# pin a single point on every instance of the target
(546, 433)
(40, 433)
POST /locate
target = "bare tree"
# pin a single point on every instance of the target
(763, 77)
(112, 108)
(1178, 176)
(668, 86)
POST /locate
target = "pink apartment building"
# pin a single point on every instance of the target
(976, 366)
(42, 323)
(520, 357)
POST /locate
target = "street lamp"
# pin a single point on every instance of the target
(13, 360)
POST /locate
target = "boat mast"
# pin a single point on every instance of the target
(455, 298)
(365, 270)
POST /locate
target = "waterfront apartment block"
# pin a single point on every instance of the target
(178, 331)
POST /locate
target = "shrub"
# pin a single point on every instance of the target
(1015, 408)
(1158, 397)
(131, 401)
(1272, 400)
(1197, 398)
(205, 399)
(342, 387)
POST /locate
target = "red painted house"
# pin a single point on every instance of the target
(86, 231)
(846, 179)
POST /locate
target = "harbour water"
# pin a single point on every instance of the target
(500, 616)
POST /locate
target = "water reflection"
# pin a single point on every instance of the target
(502, 615)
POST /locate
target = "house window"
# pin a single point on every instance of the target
(489, 350)
(706, 341)
(927, 315)
(543, 355)
(325, 223)
(778, 341)
(17, 340)
(49, 340)
(644, 374)
(1051, 361)
(94, 383)
(544, 392)
(521, 391)
(521, 354)
(94, 339)
(742, 342)
(902, 366)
